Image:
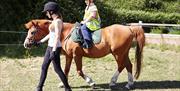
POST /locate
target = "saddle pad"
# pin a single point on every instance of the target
(76, 36)
(96, 36)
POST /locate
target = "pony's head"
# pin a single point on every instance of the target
(37, 29)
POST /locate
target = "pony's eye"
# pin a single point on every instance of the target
(33, 32)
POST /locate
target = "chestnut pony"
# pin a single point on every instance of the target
(116, 39)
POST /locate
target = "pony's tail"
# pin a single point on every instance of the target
(138, 33)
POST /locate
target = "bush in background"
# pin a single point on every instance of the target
(15, 13)
(174, 30)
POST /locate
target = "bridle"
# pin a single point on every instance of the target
(36, 28)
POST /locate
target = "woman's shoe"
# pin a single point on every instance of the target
(39, 89)
(68, 89)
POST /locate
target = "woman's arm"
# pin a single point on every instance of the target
(58, 27)
(44, 39)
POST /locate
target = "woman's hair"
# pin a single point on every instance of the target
(60, 15)
(57, 13)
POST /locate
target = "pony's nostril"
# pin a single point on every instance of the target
(27, 45)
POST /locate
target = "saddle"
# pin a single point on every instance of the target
(77, 37)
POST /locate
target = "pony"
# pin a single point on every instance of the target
(116, 39)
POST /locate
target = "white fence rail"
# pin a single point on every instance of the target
(152, 24)
(163, 39)
(12, 32)
(150, 38)
(171, 39)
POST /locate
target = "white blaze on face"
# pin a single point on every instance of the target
(26, 41)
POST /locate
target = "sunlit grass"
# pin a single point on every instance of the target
(158, 67)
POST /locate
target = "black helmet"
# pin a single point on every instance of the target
(51, 6)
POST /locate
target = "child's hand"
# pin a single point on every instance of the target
(82, 22)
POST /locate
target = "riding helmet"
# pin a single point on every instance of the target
(51, 6)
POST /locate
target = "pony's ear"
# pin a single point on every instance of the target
(28, 25)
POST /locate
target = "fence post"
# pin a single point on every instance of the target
(140, 23)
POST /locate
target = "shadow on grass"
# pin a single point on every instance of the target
(141, 85)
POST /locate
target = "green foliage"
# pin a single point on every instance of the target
(165, 30)
(21, 52)
(160, 30)
(151, 11)
(153, 4)
(171, 7)
(156, 30)
(154, 17)
(15, 13)
(145, 5)
(174, 30)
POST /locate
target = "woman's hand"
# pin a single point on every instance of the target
(37, 43)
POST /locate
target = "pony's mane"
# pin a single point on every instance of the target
(44, 21)
(36, 22)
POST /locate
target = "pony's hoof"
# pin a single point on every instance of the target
(129, 87)
(93, 86)
(61, 85)
(114, 87)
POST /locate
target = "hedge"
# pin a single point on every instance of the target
(14, 13)
(153, 17)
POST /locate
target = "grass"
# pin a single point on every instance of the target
(164, 47)
(21, 52)
(160, 72)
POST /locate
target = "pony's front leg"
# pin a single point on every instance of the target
(67, 65)
(67, 68)
(78, 61)
(120, 61)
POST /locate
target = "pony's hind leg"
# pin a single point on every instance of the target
(128, 65)
(114, 79)
(78, 61)
(121, 66)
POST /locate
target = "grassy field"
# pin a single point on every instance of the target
(160, 71)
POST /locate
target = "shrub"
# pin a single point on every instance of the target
(156, 30)
(159, 30)
(153, 5)
(153, 17)
(174, 30)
